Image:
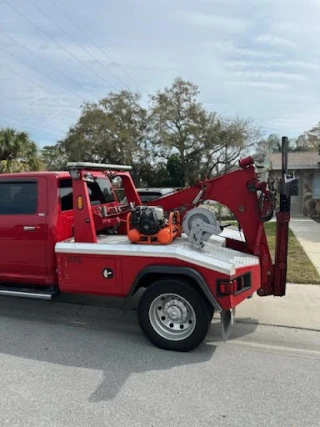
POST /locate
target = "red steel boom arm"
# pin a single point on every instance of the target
(237, 190)
(232, 191)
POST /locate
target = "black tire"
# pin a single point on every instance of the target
(202, 312)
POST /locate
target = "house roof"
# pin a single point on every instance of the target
(297, 160)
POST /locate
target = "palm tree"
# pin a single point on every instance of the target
(17, 152)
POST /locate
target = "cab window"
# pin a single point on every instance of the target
(18, 198)
(100, 192)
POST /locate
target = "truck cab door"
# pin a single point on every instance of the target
(23, 230)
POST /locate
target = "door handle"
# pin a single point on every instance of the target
(30, 228)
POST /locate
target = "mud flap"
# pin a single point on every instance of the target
(227, 320)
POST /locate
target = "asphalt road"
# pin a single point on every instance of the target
(71, 365)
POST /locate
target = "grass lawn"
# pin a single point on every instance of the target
(300, 268)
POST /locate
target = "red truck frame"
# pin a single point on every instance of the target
(65, 232)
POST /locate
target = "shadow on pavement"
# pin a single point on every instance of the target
(241, 328)
(96, 338)
(142, 357)
(91, 338)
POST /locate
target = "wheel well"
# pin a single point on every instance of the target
(199, 286)
(149, 278)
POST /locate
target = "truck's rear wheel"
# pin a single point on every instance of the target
(173, 315)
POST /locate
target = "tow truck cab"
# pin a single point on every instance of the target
(36, 212)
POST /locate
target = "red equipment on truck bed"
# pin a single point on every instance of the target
(66, 232)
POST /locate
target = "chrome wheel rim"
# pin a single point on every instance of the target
(172, 317)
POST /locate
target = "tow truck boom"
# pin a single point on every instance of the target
(238, 190)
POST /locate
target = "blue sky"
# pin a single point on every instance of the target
(252, 58)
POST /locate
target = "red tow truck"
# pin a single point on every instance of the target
(67, 232)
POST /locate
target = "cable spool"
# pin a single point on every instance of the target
(197, 215)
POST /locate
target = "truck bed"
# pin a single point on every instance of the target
(214, 256)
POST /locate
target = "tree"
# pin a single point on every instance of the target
(180, 125)
(302, 143)
(110, 131)
(153, 175)
(306, 142)
(53, 157)
(17, 152)
(175, 143)
(175, 171)
(164, 173)
(227, 139)
(272, 144)
(313, 138)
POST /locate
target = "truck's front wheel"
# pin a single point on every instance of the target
(173, 315)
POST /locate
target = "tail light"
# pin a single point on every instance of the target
(234, 286)
(227, 288)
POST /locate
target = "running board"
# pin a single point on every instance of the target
(21, 292)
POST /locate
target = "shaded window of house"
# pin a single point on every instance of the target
(316, 186)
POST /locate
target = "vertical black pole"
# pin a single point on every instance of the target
(285, 148)
(283, 218)
(285, 199)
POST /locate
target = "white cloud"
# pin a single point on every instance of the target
(254, 58)
(230, 49)
(259, 85)
(214, 21)
(269, 75)
(305, 118)
(297, 66)
(268, 39)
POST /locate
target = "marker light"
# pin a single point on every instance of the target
(79, 203)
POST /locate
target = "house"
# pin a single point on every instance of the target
(306, 166)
